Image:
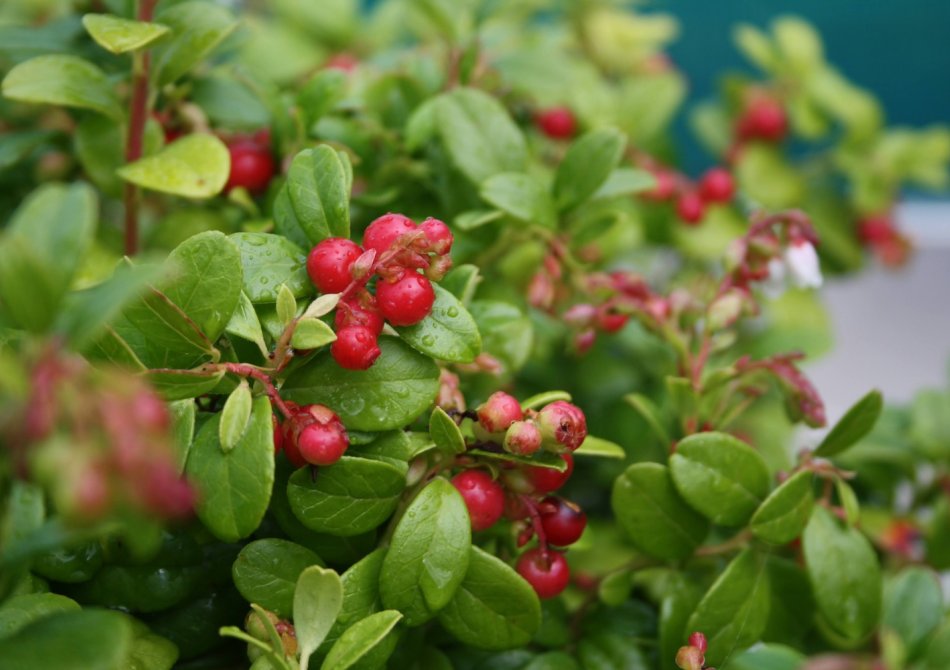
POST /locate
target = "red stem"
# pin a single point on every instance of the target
(244, 370)
(532, 508)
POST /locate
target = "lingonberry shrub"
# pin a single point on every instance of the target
(404, 273)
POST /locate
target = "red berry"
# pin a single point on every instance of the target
(329, 263)
(498, 412)
(323, 444)
(717, 185)
(407, 301)
(358, 312)
(874, 230)
(562, 425)
(698, 640)
(291, 450)
(382, 233)
(690, 207)
(665, 186)
(438, 234)
(251, 166)
(355, 348)
(611, 322)
(547, 480)
(548, 577)
(483, 496)
(563, 521)
(763, 119)
(558, 123)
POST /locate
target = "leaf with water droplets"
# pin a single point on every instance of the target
(269, 261)
(448, 333)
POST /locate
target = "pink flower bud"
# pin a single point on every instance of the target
(581, 314)
(522, 438)
(698, 640)
(563, 426)
(498, 412)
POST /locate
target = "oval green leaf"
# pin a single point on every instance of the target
(270, 261)
(522, 196)
(445, 433)
(721, 477)
(360, 593)
(120, 35)
(318, 597)
(195, 166)
(586, 166)
(83, 640)
(197, 29)
(63, 80)
(234, 416)
(363, 640)
(428, 555)
(20, 611)
(183, 384)
(596, 446)
(311, 334)
(913, 606)
(785, 513)
(855, 424)
(448, 333)
(266, 573)
(314, 204)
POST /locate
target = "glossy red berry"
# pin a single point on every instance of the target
(690, 207)
(717, 185)
(358, 312)
(355, 348)
(406, 301)
(252, 166)
(323, 444)
(483, 496)
(764, 119)
(563, 521)
(665, 185)
(558, 123)
(499, 411)
(548, 480)
(562, 425)
(547, 576)
(329, 263)
(291, 451)
(439, 236)
(382, 233)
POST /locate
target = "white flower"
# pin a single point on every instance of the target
(801, 260)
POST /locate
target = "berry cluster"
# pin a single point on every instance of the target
(715, 186)
(692, 656)
(404, 257)
(311, 434)
(521, 494)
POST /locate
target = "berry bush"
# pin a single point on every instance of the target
(347, 338)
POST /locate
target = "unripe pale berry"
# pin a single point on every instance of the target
(251, 166)
(563, 425)
(329, 263)
(522, 438)
(558, 123)
(499, 411)
(690, 207)
(547, 576)
(483, 496)
(406, 301)
(563, 521)
(717, 185)
(355, 348)
(547, 480)
(382, 233)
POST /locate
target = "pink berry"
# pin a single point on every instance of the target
(407, 301)
(717, 185)
(322, 444)
(563, 425)
(548, 576)
(329, 264)
(483, 496)
(522, 438)
(558, 123)
(665, 185)
(438, 234)
(355, 348)
(690, 207)
(563, 521)
(498, 412)
(698, 640)
(547, 480)
(382, 233)
(251, 166)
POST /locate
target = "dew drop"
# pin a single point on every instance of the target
(428, 340)
(452, 312)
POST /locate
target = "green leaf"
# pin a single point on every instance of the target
(399, 387)
(784, 514)
(362, 641)
(195, 166)
(197, 29)
(623, 182)
(120, 35)
(755, 46)
(16, 146)
(318, 597)
(542, 459)
(360, 593)
(603, 650)
(721, 477)
(63, 80)
(493, 608)
(855, 424)
(429, 553)
(90, 639)
(913, 607)
(734, 611)
(270, 261)
(235, 416)
(245, 323)
(595, 446)
(150, 651)
(849, 501)
(506, 332)
(20, 611)
(651, 414)
(544, 398)
(312, 334)
(183, 384)
(29, 294)
(476, 218)
(183, 429)
(266, 573)
(480, 137)
(446, 433)
(448, 333)
(653, 515)
(350, 497)
(235, 487)
(768, 657)
(587, 165)
(462, 282)
(522, 196)
(844, 574)
(286, 305)
(316, 197)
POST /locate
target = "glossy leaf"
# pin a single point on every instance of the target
(286, 306)
(784, 514)
(197, 29)
(844, 574)
(507, 333)
(318, 597)
(183, 384)
(350, 497)
(234, 487)
(194, 166)
(312, 334)
(266, 572)
(855, 424)
(316, 197)
(245, 323)
(428, 555)
(90, 639)
(768, 657)
(848, 500)
(270, 261)
(360, 593)
(653, 515)
(493, 608)
(462, 282)
(63, 80)
(651, 414)
(734, 611)
(610, 651)
(596, 446)
(522, 196)
(183, 428)
(623, 182)
(20, 611)
(362, 641)
(235, 416)
(542, 459)
(150, 651)
(448, 333)
(721, 477)
(445, 432)
(399, 387)
(913, 606)
(587, 165)
(120, 35)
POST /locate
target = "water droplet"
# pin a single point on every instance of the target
(428, 340)
(255, 240)
(264, 281)
(452, 312)
(352, 405)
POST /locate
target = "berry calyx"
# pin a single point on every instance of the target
(252, 166)
(439, 236)
(355, 348)
(563, 521)
(547, 574)
(764, 119)
(406, 301)
(498, 412)
(358, 312)
(483, 496)
(329, 263)
(558, 123)
(548, 480)
(717, 185)
(382, 233)
(563, 426)
(522, 438)
(690, 207)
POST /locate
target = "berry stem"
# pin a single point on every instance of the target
(138, 112)
(738, 541)
(245, 370)
(532, 507)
